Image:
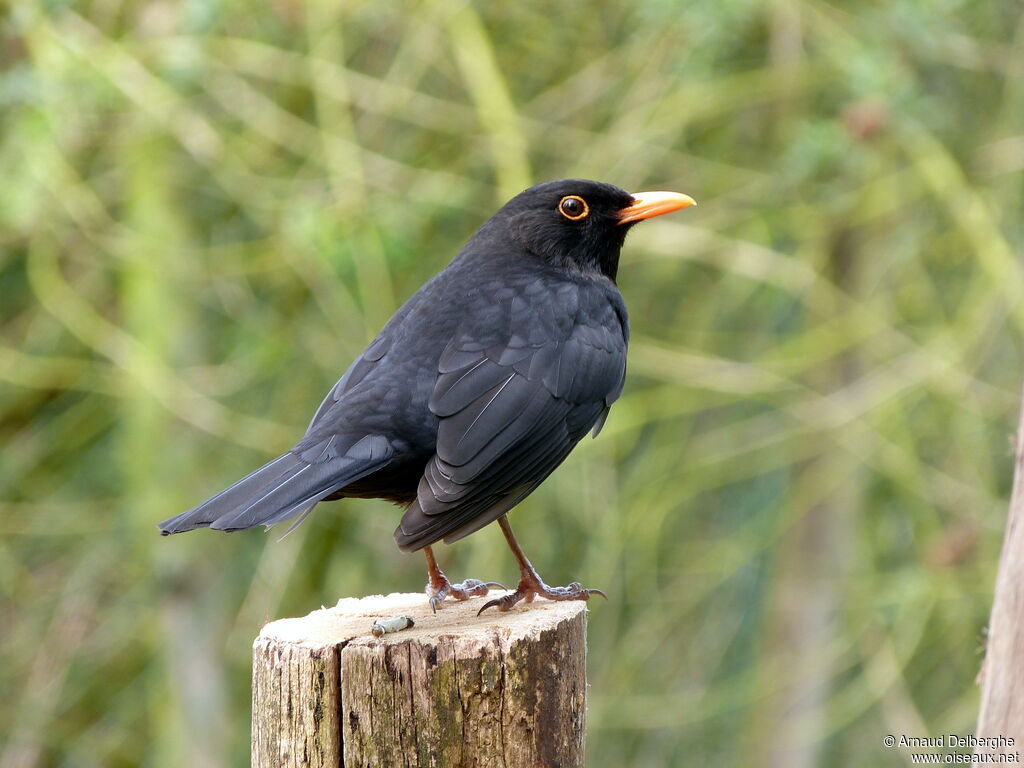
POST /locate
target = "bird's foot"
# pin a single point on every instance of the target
(438, 588)
(530, 586)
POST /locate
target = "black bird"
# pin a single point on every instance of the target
(475, 391)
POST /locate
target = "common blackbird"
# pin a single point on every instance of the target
(476, 389)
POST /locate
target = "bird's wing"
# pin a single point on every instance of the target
(512, 404)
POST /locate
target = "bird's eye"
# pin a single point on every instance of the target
(574, 208)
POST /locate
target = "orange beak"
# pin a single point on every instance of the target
(649, 204)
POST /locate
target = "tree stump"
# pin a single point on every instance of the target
(1001, 720)
(503, 690)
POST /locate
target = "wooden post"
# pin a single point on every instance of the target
(1002, 676)
(456, 689)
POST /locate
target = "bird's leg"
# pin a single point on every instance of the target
(530, 584)
(438, 586)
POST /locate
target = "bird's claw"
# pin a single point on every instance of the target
(461, 591)
(528, 589)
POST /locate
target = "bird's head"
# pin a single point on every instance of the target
(579, 224)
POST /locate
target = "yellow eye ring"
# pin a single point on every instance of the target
(573, 207)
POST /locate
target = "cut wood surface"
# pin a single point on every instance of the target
(454, 690)
(1002, 678)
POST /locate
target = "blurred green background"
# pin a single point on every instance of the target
(208, 208)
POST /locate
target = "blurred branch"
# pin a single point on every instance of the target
(496, 111)
(151, 374)
(42, 372)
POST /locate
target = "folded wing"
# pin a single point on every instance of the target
(511, 409)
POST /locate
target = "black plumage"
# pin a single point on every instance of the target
(480, 384)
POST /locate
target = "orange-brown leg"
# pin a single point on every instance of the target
(438, 586)
(530, 583)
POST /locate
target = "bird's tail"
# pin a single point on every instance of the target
(290, 485)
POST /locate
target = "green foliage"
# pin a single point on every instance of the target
(209, 208)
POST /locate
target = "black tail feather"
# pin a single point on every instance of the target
(283, 488)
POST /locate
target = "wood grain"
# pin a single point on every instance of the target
(503, 690)
(1002, 677)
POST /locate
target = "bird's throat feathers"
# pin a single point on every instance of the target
(587, 251)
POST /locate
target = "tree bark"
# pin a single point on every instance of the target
(1002, 676)
(503, 690)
